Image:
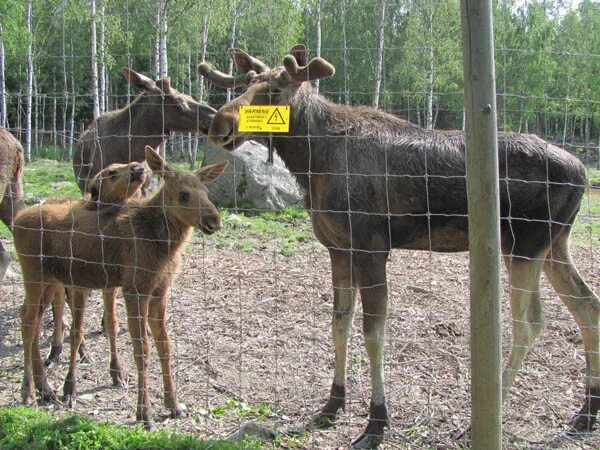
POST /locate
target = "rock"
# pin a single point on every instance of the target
(253, 431)
(250, 181)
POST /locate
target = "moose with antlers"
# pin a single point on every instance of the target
(374, 182)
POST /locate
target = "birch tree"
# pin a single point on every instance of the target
(94, 55)
(3, 112)
(380, 50)
(29, 92)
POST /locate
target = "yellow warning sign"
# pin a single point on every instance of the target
(264, 119)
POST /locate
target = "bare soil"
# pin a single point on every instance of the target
(251, 341)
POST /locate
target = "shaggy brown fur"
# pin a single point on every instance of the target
(120, 136)
(11, 188)
(136, 247)
(111, 186)
(374, 182)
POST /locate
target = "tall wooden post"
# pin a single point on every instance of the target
(484, 224)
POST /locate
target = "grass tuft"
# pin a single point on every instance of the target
(27, 428)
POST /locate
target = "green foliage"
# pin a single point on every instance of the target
(22, 427)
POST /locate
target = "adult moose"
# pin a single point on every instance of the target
(11, 187)
(120, 136)
(374, 182)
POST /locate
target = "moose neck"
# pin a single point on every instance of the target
(167, 232)
(302, 150)
(141, 123)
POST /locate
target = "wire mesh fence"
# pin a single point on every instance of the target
(249, 309)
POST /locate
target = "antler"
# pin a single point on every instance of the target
(223, 80)
(316, 69)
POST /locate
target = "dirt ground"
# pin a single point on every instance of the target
(251, 341)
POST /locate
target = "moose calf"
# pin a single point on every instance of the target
(110, 187)
(136, 247)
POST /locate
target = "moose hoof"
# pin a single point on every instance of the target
(69, 400)
(179, 412)
(54, 356)
(48, 395)
(367, 440)
(583, 423)
(117, 379)
(322, 421)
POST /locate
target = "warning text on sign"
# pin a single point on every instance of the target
(264, 119)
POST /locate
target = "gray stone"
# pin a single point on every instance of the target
(250, 181)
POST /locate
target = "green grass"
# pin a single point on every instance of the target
(586, 230)
(26, 428)
(45, 178)
(594, 177)
(285, 232)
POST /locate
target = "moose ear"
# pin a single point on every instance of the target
(138, 80)
(300, 52)
(156, 163)
(211, 172)
(164, 84)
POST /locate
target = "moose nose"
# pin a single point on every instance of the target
(211, 224)
(222, 129)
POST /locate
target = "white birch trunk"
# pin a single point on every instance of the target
(318, 11)
(345, 51)
(29, 93)
(63, 138)
(430, 78)
(234, 17)
(380, 49)
(94, 61)
(3, 112)
(157, 40)
(203, 52)
(102, 72)
(164, 64)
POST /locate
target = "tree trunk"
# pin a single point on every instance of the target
(63, 138)
(430, 77)
(345, 52)
(162, 40)
(29, 83)
(94, 61)
(194, 154)
(234, 17)
(3, 112)
(102, 72)
(380, 49)
(73, 104)
(318, 49)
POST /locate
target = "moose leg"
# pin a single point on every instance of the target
(526, 310)
(4, 261)
(58, 307)
(33, 368)
(79, 303)
(584, 305)
(112, 328)
(137, 321)
(370, 272)
(344, 300)
(157, 319)
(70, 294)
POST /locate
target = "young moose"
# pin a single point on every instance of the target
(112, 186)
(11, 187)
(136, 247)
(374, 182)
(120, 136)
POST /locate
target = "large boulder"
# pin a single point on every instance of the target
(250, 181)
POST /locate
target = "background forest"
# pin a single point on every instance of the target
(61, 60)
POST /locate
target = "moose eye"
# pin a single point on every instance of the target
(184, 197)
(112, 173)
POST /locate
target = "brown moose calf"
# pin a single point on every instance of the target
(136, 247)
(112, 186)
